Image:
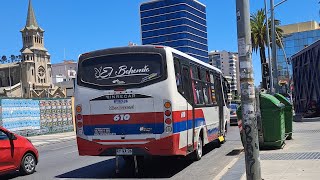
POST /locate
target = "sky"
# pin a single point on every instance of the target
(73, 27)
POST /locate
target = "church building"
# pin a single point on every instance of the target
(32, 77)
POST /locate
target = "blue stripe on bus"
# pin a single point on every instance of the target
(157, 128)
(127, 129)
(182, 126)
(213, 131)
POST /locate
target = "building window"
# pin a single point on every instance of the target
(32, 72)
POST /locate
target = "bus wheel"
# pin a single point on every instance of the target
(198, 152)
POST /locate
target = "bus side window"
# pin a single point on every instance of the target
(218, 90)
(197, 85)
(213, 89)
(225, 90)
(199, 92)
(195, 73)
(207, 89)
(178, 76)
(186, 83)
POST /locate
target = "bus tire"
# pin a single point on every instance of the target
(199, 151)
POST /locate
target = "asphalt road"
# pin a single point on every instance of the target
(61, 161)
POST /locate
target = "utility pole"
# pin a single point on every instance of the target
(273, 48)
(249, 119)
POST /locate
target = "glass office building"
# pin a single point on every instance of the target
(180, 24)
(295, 38)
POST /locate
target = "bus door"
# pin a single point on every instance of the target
(182, 71)
(220, 101)
(190, 115)
(226, 105)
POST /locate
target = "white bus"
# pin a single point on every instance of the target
(148, 100)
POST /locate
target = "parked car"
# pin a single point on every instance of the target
(233, 114)
(16, 153)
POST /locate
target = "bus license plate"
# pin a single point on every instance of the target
(124, 152)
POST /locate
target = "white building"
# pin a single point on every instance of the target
(63, 75)
(228, 63)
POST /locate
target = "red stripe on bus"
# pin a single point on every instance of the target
(179, 117)
(164, 146)
(135, 118)
(121, 140)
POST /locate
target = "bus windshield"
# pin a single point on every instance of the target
(121, 69)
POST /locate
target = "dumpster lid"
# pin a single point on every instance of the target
(282, 99)
(269, 101)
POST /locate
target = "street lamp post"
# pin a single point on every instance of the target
(274, 44)
(273, 48)
(271, 88)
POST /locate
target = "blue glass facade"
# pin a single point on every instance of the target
(180, 24)
(294, 43)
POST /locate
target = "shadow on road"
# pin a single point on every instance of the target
(163, 167)
(156, 167)
(12, 175)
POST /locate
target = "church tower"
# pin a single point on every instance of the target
(36, 77)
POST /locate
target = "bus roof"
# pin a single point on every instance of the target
(148, 48)
(193, 59)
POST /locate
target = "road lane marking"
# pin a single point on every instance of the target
(62, 147)
(226, 168)
(71, 152)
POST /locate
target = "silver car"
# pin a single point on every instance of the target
(233, 114)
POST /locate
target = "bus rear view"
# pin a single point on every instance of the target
(147, 101)
(120, 104)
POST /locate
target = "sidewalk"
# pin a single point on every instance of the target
(52, 138)
(299, 158)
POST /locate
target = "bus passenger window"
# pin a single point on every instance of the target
(199, 93)
(178, 75)
(195, 72)
(213, 93)
(207, 89)
(207, 92)
(206, 96)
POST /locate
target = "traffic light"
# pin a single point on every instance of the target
(265, 70)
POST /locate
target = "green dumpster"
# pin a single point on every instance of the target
(288, 115)
(273, 124)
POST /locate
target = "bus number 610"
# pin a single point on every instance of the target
(121, 117)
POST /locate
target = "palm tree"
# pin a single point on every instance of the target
(3, 59)
(259, 36)
(13, 58)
